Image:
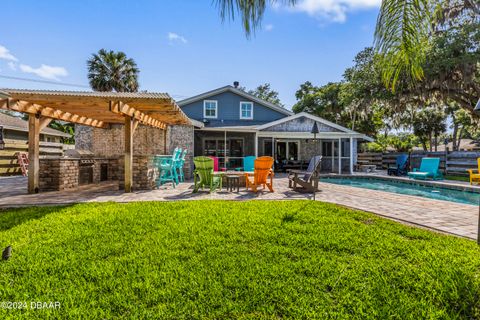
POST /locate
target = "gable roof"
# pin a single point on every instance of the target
(17, 124)
(237, 92)
(314, 118)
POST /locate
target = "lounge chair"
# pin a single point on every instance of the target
(429, 168)
(204, 176)
(400, 168)
(308, 180)
(261, 174)
(475, 173)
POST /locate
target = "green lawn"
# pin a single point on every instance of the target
(457, 178)
(223, 260)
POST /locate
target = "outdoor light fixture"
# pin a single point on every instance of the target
(2, 142)
(315, 131)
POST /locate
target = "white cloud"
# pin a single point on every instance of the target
(174, 37)
(6, 55)
(334, 10)
(269, 27)
(12, 65)
(45, 71)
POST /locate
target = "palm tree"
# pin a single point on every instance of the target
(403, 31)
(112, 71)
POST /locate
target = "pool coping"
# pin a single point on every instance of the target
(428, 183)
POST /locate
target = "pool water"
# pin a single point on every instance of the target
(419, 190)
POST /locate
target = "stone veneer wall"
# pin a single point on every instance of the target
(145, 173)
(63, 173)
(111, 142)
(58, 174)
(183, 137)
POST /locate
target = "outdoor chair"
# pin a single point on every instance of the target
(165, 170)
(429, 168)
(401, 165)
(248, 164)
(308, 180)
(261, 174)
(180, 164)
(204, 176)
(475, 173)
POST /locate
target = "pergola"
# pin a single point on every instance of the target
(96, 109)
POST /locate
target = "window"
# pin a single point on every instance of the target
(327, 148)
(246, 110)
(210, 109)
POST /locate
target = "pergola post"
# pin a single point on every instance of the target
(128, 153)
(33, 152)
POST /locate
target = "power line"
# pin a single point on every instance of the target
(45, 81)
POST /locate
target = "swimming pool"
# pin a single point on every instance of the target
(412, 189)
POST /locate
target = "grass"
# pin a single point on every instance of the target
(224, 260)
(457, 178)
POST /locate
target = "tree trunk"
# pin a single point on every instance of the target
(424, 145)
(454, 134)
(459, 140)
(430, 140)
(436, 142)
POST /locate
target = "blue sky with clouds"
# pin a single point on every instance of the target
(181, 47)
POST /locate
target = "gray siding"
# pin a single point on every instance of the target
(228, 109)
(302, 124)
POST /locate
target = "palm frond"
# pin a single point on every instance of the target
(401, 38)
(250, 11)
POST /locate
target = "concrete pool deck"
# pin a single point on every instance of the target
(443, 216)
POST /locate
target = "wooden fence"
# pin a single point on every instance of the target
(8, 157)
(451, 162)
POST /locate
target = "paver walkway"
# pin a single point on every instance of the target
(444, 216)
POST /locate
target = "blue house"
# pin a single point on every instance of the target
(231, 124)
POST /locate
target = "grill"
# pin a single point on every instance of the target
(86, 164)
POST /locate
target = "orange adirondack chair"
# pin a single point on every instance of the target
(261, 174)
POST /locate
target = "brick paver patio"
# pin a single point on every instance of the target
(444, 216)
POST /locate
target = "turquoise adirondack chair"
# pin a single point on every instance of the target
(429, 168)
(167, 168)
(179, 166)
(204, 176)
(248, 164)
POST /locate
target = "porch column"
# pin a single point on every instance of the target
(128, 153)
(273, 147)
(225, 151)
(333, 155)
(33, 152)
(351, 155)
(340, 156)
(256, 145)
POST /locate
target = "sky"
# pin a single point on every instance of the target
(181, 46)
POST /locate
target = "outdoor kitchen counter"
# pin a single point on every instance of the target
(61, 173)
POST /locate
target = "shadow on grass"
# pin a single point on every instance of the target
(10, 218)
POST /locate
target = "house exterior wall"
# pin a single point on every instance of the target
(228, 111)
(22, 135)
(302, 124)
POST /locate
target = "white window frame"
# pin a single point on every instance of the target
(205, 109)
(246, 102)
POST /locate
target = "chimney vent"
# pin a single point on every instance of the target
(236, 84)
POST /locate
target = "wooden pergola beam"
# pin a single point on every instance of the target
(124, 109)
(32, 108)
